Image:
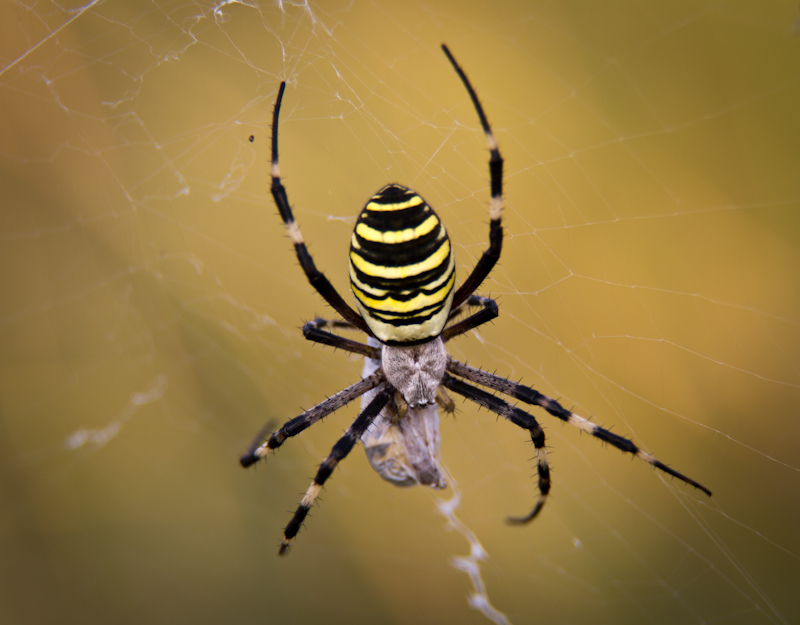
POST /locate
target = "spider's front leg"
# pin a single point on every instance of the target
(261, 449)
(519, 418)
(533, 397)
(338, 453)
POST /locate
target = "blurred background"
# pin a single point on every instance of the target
(151, 307)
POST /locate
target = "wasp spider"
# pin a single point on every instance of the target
(402, 273)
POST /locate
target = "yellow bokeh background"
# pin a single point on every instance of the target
(151, 307)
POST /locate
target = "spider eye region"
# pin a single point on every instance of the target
(402, 267)
(415, 371)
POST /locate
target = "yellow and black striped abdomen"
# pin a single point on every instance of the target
(402, 267)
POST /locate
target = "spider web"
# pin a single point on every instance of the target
(149, 323)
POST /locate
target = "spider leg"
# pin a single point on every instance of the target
(338, 324)
(455, 312)
(471, 302)
(519, 417)
(492, 254)
(315, 277)
(530, 396)
(260, 449)
(338, 453)
(485, 315)
(312, 332)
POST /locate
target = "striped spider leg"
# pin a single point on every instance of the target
(533, 397)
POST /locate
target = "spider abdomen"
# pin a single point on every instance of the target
(402, 267)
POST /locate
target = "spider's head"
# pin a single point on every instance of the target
(415, 371)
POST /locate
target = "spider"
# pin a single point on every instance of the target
(402, 273)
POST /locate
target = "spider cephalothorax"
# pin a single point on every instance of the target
(416, 371)
(402, 272)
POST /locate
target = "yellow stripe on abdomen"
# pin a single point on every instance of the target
(402, 267)
(397, 236)
(403, 271)
(396, 206)
(394, 307)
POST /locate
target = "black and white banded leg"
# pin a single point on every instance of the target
(261, 449)
(518, 417)
(315, 277)
(492, 254)
(530, 396)
(338, 453)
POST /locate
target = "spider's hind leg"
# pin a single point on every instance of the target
(315, 277)
(492, 254)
